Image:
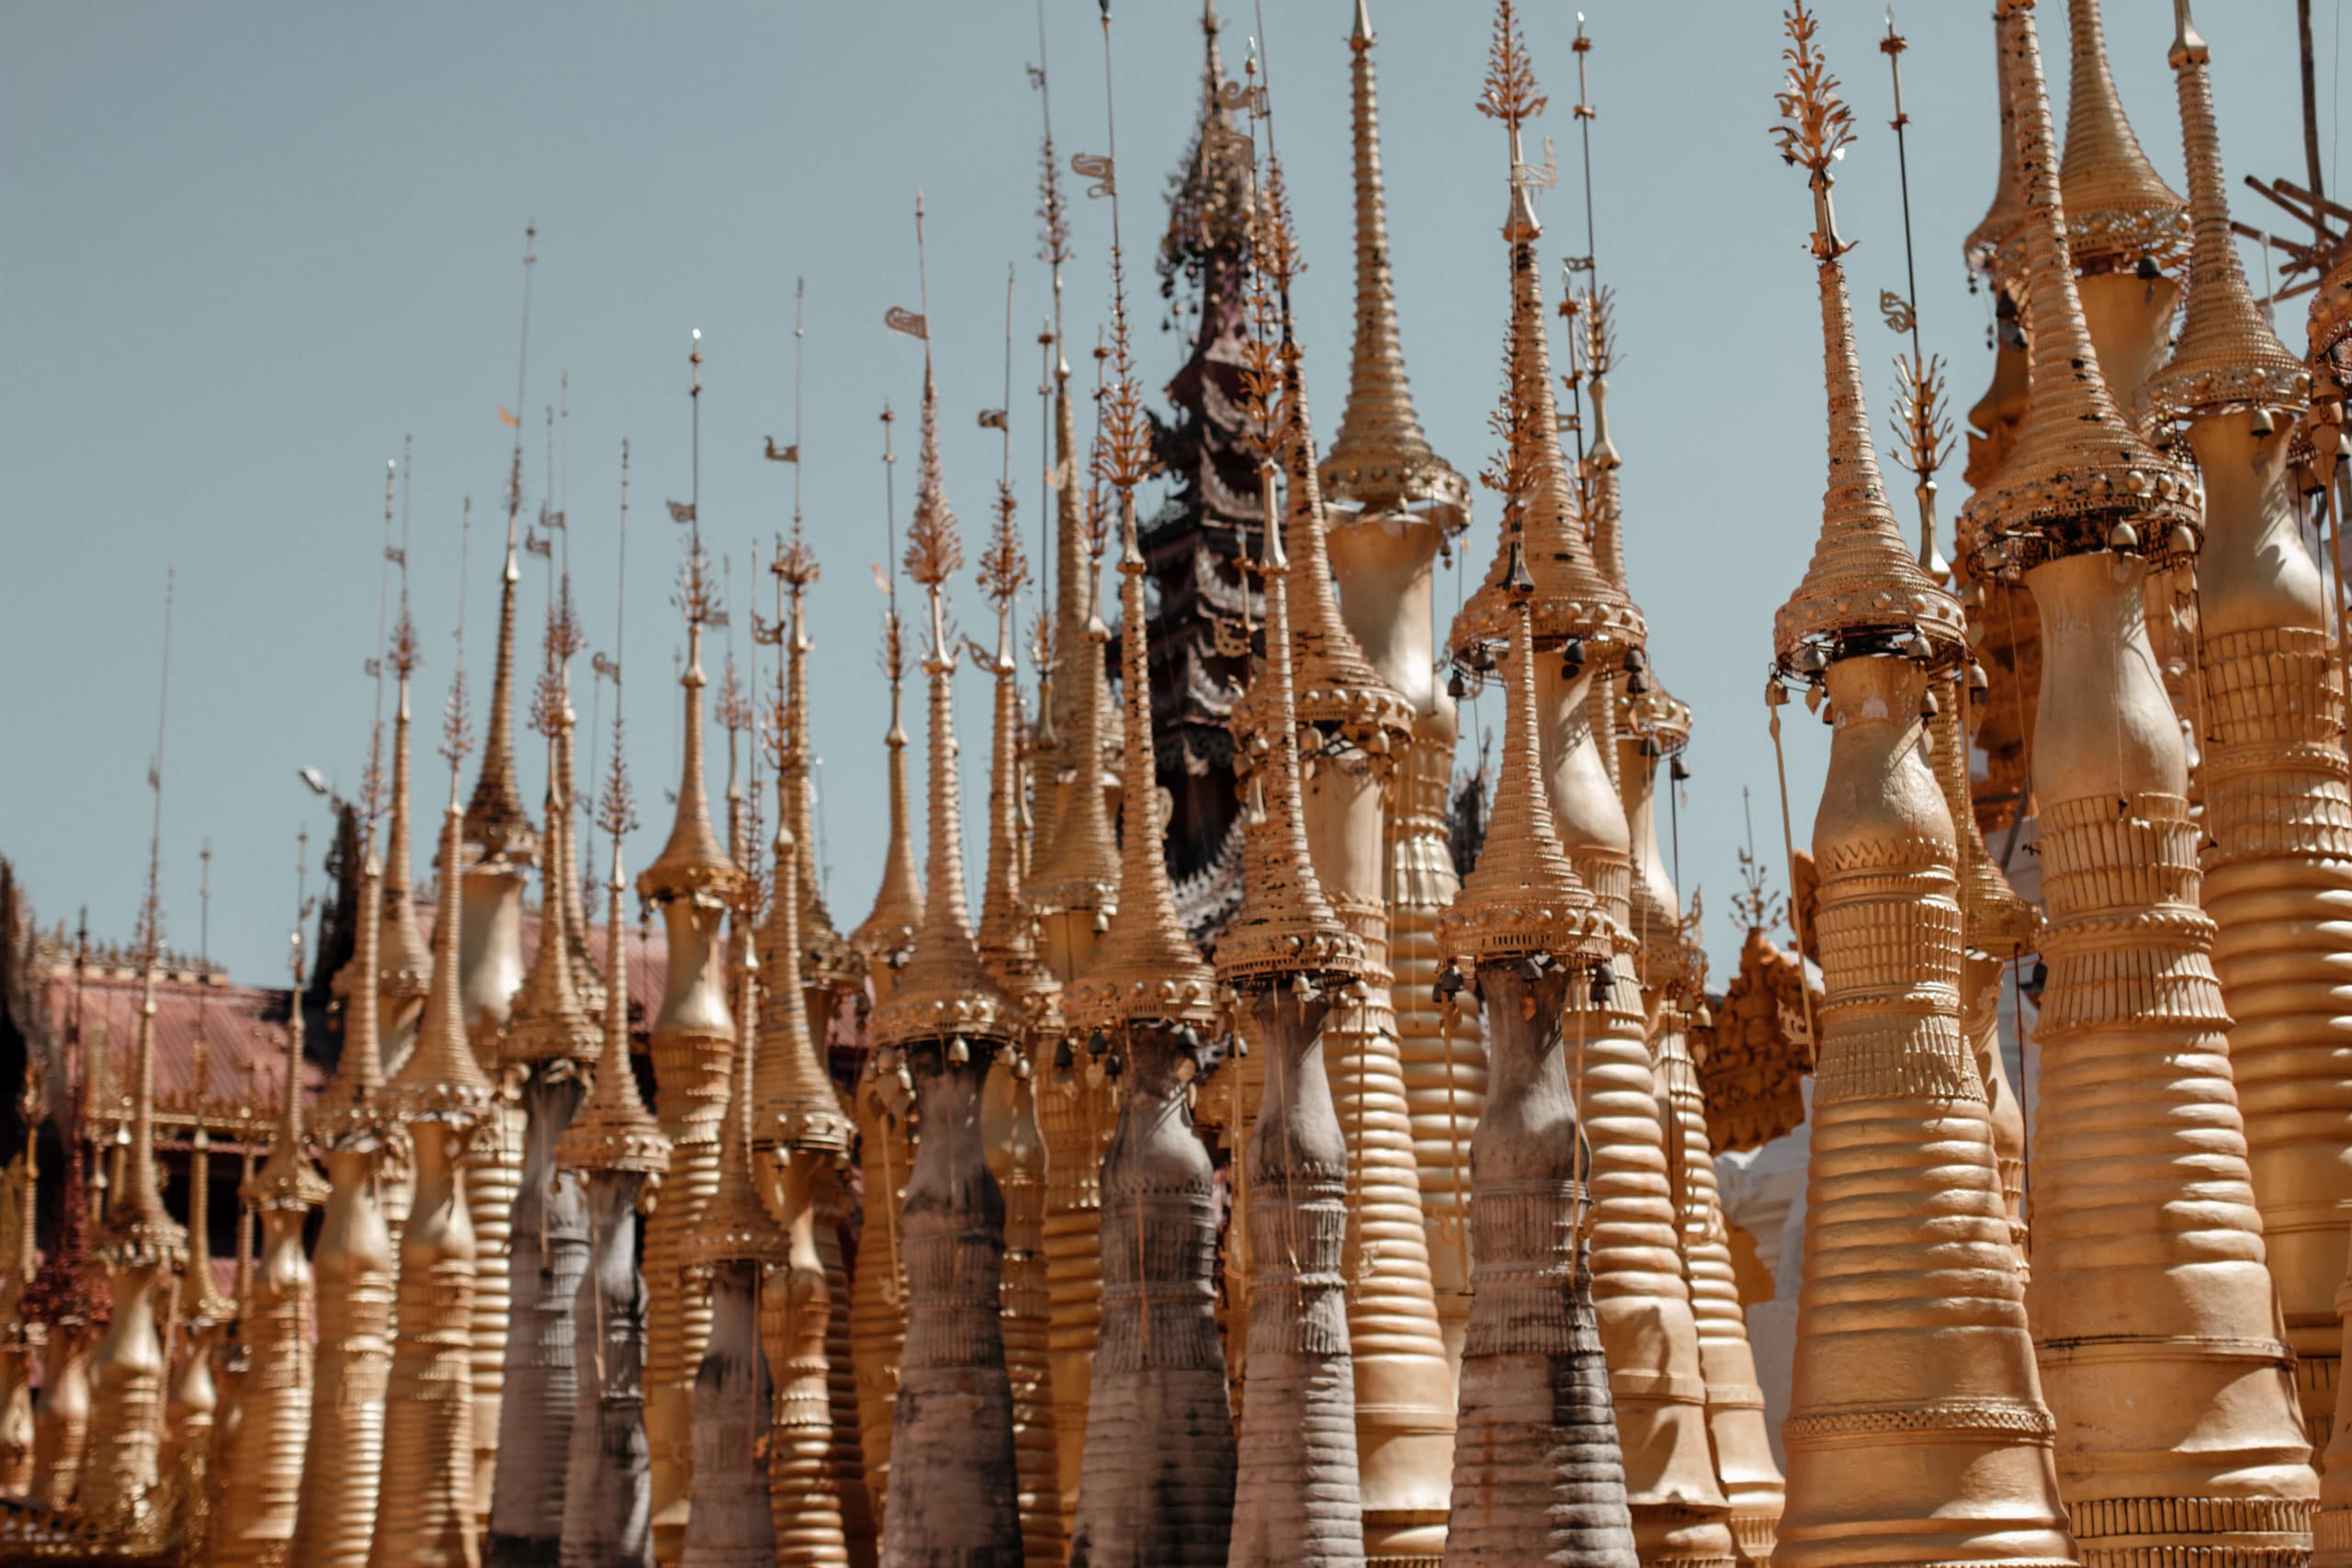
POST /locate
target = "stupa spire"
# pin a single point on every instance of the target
(1573, 598)
(551, 1020)
(287, 1178)
(1006, 939)
(1380, 460)
(944, 975)
(888, 935)
(405, 963)
(2118, 208)
(138, 1231)
(200, 1298)
(1865, 584)
(496, 823)
(2077, 466)
(442, 1072)
(827, 960)
(1079, 696)
(2226, 356)
(1145, 967)
(613, 1131)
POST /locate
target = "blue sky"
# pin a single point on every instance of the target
(252, 245)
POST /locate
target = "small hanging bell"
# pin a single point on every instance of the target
(2123, 538)
(1572, 658)
(958, 1053)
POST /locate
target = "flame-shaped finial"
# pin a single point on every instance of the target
(1864, 590)
(1573, 598)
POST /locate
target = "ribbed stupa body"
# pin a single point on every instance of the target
(342, 1457)
(1159, 1450)
(694, 1039)
(878, 1300)
(1745, 1468)
(552, 1039)
(2152, 1316)
(2332, 1525)
(1018, 1161)
(1295, 1497)
(730, 1525)
(62, 1421)
(2278, 795)
(954, 1494)
(1443, 1063)
(861, 1537)
(1640, 1298)
(730, 1519)
(1537, 1471)
(795, 1315)
(550, 1244)
(20, 1340)
(262, 1472)
(1915, 1431)
(425, 1514)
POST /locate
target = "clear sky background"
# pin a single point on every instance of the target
(251, 246)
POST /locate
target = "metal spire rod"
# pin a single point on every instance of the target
(800, 348)
(151, 915)
(1891, 46)
(889, 512)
